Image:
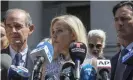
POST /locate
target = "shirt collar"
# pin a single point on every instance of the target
(13, 52)
(129, 47)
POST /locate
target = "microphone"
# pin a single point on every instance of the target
(18, 73)
(45, 50)
(43, 41)
(43, 53)
(5, 61)
(128, 58)
(104, 69)
(39, 61)
(77, 52)
(67, 71)
(88, 72)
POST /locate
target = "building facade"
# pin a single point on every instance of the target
(94, 14)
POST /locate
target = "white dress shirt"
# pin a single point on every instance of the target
(23, 53)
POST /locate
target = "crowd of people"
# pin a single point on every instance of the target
(64, 30)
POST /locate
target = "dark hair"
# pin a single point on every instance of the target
(121, 4)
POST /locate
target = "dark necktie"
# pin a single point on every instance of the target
(120, 66)
(17, 59)
(123, 52)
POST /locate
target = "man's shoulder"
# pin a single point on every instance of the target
(115, 56)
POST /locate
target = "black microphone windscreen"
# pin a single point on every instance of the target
(50, 77)
(67, 71)
(6, 61)
(104, 69)
(68, 64)
(77, 51)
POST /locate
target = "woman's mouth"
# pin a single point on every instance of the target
(95, 52)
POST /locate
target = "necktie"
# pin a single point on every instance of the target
(120, 66)
(17, 59)
(123, 52)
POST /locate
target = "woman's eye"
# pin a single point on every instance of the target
(2, 35)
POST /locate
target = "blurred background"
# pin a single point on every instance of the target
(94, 15)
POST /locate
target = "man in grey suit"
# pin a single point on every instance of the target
(18, 26)
(123, 17)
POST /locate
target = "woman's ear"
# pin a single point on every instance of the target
(31, 29)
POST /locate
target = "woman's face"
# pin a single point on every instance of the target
(3, 38)
(61, 36)
(95, 45)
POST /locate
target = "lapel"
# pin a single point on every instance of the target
(29, 63)
(128, 70)
(114, 61)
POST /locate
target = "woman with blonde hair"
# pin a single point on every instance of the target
(64, 30)
(3, 39)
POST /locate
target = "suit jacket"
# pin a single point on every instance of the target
(29, 63)
(128, 72)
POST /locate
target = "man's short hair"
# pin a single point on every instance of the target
(121, 4)
(28, 17)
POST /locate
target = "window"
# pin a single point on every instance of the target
(83, 12)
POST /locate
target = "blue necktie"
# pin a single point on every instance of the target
(17, 59)
(123, 52)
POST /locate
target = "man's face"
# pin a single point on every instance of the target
(16, 28)
(124, 22)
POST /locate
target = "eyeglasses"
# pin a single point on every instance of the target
(98, 46)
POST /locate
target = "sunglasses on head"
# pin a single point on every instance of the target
(98, 46)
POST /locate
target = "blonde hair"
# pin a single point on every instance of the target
(75, 25)
(2, 24)
(6, 42)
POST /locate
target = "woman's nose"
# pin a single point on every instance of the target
(95, 48)
(54, 36)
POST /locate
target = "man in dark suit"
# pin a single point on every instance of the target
(123, 16)
(18, 26)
